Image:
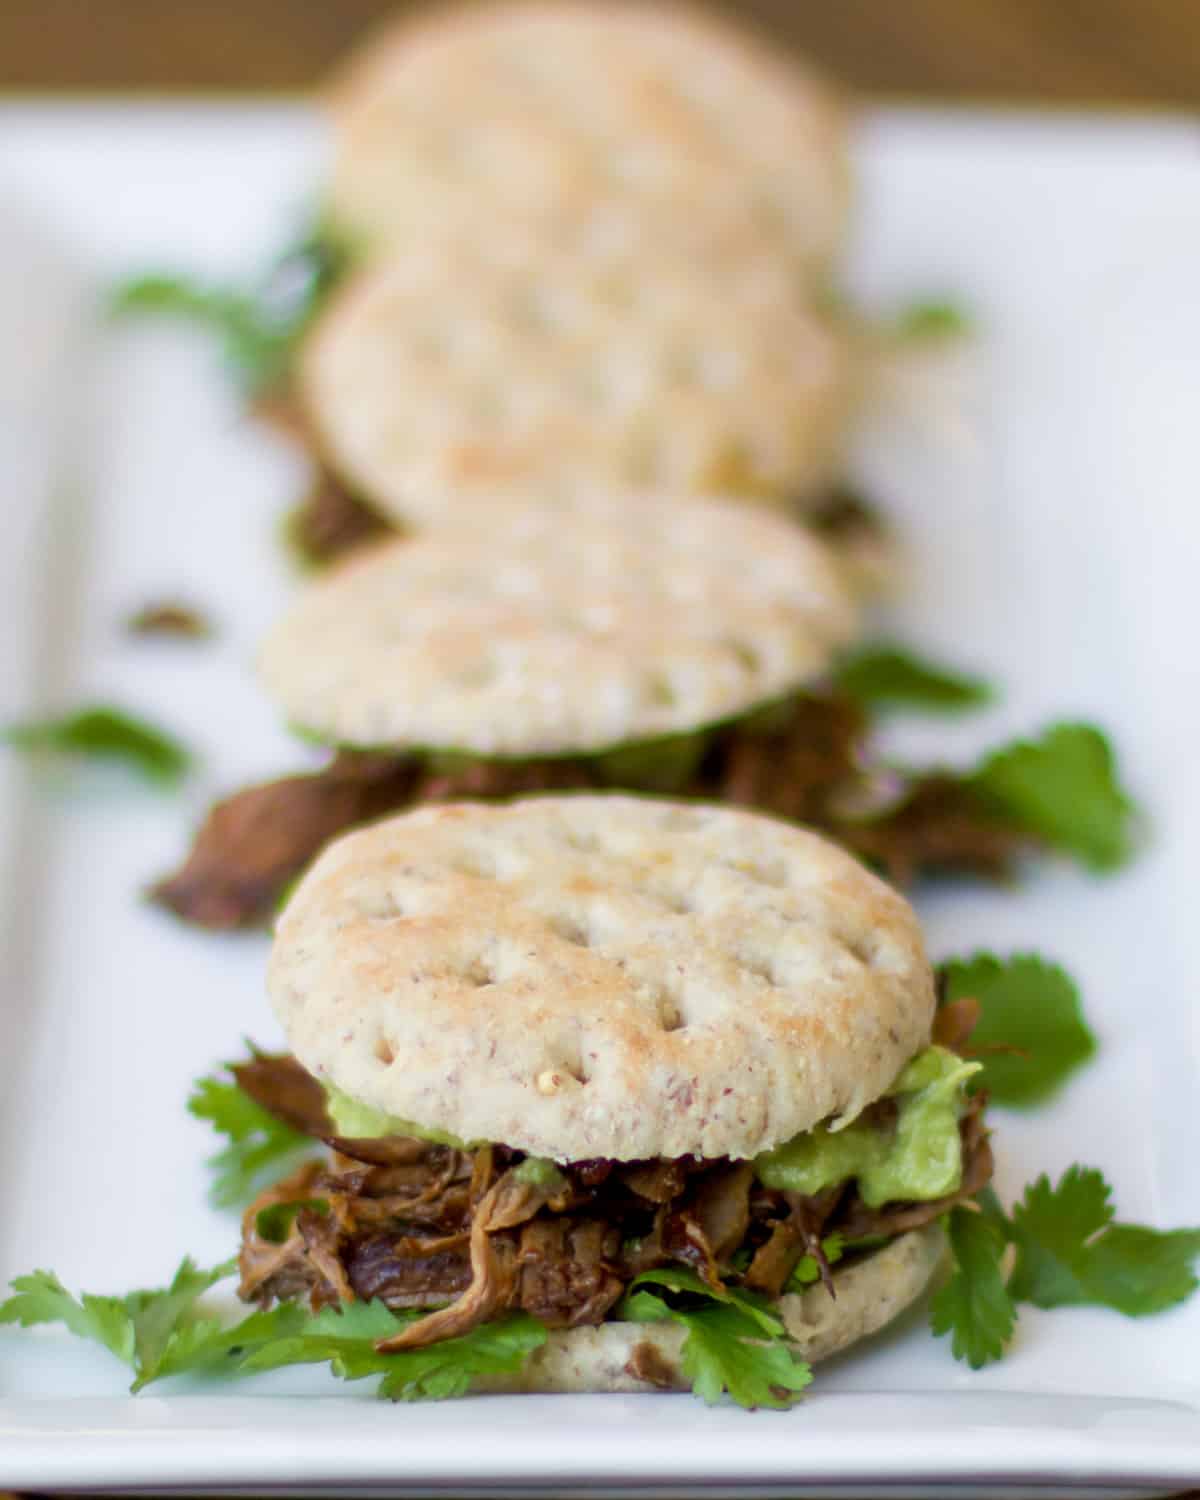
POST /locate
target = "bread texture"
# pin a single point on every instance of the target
(487, 364)
(871, 1293)
(589, 123)
(601, 976)
(525, 630)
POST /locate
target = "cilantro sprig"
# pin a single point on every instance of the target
(1063, 788)
(105, 733)
(975, 1306)
(1031, 1035)
(258, 325)
(162, 1332)
(1071, 1251)
(886, 676)
(932, 318)
(1068, 1251)
(258, 1142)
(345, 1340)
(735, 1343)
(155, 1332)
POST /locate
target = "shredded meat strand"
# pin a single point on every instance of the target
(331, 522)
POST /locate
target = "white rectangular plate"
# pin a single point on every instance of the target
(1048, 485)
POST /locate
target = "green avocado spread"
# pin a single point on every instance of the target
(918, 1158)
(360, 1122)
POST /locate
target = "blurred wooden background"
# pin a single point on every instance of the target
(1117, 52)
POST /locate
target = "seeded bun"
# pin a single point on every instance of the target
(588, 123)
(523, 630)
(486, 365)
(870, 1294)
(583, 976)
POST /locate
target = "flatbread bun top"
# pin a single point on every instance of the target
(613, 976)
(487, 364)
(525, 630)
(605, 122)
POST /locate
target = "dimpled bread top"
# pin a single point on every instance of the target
(582, 976)
(594, 125)
(534, 630)
(485, 364)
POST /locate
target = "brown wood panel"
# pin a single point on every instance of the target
(1059, 51)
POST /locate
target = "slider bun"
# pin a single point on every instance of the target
(526, 630)
(601, 976)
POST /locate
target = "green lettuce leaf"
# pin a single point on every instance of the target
(1027, 1004)
(105, 733)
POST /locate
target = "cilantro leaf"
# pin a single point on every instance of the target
(104, 733)
(346, 1339)
(258, 325)
(726, 1351)
(683, 1279)
(975, 1307)
(155, 1332)
(41, 1298)
(157, 1316)
(1027, 1004)
(1070, 1251)
(207, 1345)
(1063, 788)
(932, 319)
(884, 676)
(257, 1140)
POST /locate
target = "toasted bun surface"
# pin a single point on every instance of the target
(870, 1294)
(581, 976)
(586, 122)
(484, 365)
(522, 630)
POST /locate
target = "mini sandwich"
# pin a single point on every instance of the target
(596, 1061)
(591, 245)
(487, 363)
(588, 123)
(646, 643)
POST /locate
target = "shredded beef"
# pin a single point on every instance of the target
(939, 826)
(955, 1021)
(285, 1089)
(252, 845)
(332, 521)
(805, 768)
(420, 1225)
(170, 618)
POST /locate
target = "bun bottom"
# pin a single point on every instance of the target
(870, 1294)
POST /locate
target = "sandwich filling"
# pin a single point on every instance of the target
(468, 1231)
(800, 760)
